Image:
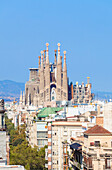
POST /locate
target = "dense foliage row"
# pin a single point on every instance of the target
(20, 152)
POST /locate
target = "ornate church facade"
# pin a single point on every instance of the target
(49, 83)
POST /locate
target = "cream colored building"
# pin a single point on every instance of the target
(38, 134)
(60, 132)
(97, 149)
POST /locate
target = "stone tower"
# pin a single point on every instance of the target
(47, 76)
(59, 76)
(65, 83)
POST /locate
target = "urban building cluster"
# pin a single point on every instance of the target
(63, 116)
(78, 136)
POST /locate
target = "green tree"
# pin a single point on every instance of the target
(21, 153)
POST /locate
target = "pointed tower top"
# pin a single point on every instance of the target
(39, 61)
(64, 52)
(58, 44)
(41, 56)
(41, 52)
(47, 55)
(47, 44)
(59, 59)
(44, 56)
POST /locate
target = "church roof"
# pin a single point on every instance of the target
(97, 130)
(45, 112)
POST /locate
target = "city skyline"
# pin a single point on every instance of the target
(83, 29)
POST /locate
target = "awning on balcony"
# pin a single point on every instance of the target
(75, 146)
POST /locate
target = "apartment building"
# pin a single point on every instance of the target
(59, 134)
(97, 149)
(38, 134)
(4, 139)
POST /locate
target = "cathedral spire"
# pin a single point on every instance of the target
(65, 81)
(64, 66)
(59, 59)
(55, 61)
(42, 60)
(61, 62)
(47, 54)
(44, 57)
(39, 61)
(39, 65)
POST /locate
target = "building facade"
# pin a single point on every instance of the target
(108, 116)
(97, 149)
(81, 93)
(59, 132)
(49, 83)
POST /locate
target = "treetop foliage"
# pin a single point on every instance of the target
(21, 153)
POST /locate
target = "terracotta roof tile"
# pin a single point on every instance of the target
(97, 130)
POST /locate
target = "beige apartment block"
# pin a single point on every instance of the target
(59, 134)
(38, 134)
(97, 149)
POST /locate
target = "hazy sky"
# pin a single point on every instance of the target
(83, 27)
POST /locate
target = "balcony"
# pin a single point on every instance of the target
(75, 163)
(88, 166)
(106, 168)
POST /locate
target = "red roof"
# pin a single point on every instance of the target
(98, 130)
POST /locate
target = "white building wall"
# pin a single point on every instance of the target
(108, 116)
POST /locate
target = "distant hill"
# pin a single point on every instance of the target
(10, 89)
(101, 95)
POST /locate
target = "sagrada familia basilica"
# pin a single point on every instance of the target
(49, 83)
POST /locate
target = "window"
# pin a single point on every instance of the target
(65, 150)
(97, 143)
(40, 142)
(52, 97)
(107, 163)
(41, 134)
(65, 133)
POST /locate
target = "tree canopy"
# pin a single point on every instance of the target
(21, 153)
